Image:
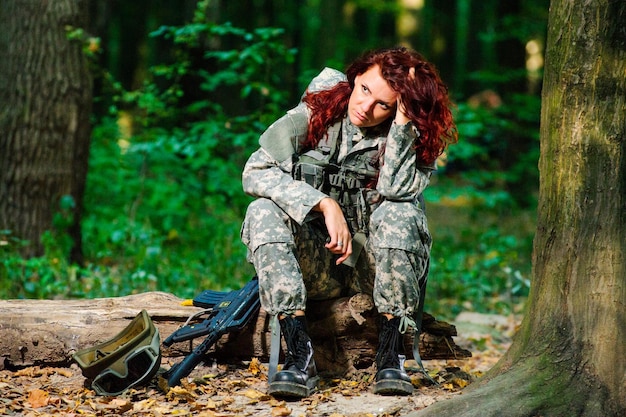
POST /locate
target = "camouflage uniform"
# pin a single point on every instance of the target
(285, 238)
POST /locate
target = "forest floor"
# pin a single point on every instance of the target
(216, 391)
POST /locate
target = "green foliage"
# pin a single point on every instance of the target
(485, 270)
(497, 153)
(173, 202)
(40, 277)
(480, 260)
(164, 204)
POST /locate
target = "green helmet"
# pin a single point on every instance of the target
(129, 359)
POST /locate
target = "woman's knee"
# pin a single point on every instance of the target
(262, 208)
(400, 225)
(265, 223)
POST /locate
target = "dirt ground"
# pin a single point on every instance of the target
(216, 390)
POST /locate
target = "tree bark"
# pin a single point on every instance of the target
(45, 91)
(48, 332)
(569, 357)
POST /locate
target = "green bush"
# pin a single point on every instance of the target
(164, 203)
(497, 153)
(481, 255)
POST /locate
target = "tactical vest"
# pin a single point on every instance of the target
(350, 182)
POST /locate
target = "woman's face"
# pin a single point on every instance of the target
(372, 101)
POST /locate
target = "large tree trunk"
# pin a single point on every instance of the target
(45, 91)
(344, 331)
(569, 358)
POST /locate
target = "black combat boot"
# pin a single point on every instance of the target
(391, 378)
(298, 377)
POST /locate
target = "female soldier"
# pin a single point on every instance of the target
(338, 182)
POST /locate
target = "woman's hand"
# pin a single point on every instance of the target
(340, 238)
(401, 117)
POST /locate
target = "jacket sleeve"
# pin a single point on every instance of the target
(402, 177)
(267, 173)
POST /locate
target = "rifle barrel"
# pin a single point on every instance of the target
(184, 367)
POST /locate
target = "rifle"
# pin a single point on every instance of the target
(227, 312)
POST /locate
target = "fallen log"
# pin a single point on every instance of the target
(344, 331)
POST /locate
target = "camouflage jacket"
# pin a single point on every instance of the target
(269, 172)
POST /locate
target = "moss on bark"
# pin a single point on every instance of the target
(538, 386)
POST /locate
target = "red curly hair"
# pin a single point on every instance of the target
(425, 99)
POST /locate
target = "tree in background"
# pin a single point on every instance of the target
(45, 91)
(569, 357)
(182, 91)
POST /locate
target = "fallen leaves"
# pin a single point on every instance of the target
(37, 398)
(117, 405)
(238, 391)
(256, 368)
(256, 395)
(179, 393)
(281, 411)
(225, 391)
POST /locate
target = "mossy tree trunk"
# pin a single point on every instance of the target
(45, 96)
(569, 357)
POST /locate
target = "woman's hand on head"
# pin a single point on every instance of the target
(340, 238)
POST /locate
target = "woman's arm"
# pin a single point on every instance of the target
(264, 177)
(267, 174)
(402, 177)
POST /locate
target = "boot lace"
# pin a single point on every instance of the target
(299, 349)
(389, 345)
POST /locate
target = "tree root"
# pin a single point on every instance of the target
(531, 387)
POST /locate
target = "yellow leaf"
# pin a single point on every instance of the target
(237, 383)
(417, 381)
(91, 404)
(64, 372)
(30, 371)
(459, 382)
(205, 414)
(180, 392)
(228, 400)
(38, 398)
(162, 384)
(211, 405)
(256, 395)
(179, 412)
(255, 366)
(146, 404)
(119, 405)
(281, 411)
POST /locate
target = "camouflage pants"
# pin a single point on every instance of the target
(292, 263)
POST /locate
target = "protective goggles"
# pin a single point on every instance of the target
(140, 366)
(130, 359)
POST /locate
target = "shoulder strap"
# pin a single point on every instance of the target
(326, 150)
(331, 139)
(283, 137)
